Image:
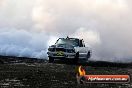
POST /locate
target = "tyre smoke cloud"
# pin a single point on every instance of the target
(28, 27)
(22, 43)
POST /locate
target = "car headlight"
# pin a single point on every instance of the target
(51, 49)
(70, 50)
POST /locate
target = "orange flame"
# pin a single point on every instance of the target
(81, 71)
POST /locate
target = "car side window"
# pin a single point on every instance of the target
(82, 43)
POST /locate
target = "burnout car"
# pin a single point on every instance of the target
(72, 49)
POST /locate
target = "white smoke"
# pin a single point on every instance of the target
(22, 43)
(90, 36)
(28, 27)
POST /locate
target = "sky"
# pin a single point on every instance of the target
(28, 27)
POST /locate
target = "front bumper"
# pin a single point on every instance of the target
(65, 55)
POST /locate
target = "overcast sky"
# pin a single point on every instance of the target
(28, 27)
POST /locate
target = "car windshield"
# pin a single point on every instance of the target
(74, 42)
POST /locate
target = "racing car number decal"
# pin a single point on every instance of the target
(60, 53)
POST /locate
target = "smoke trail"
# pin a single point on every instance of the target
(23, 43)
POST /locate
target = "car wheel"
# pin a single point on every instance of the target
(51, 60)
(76, 59)
(88, 54)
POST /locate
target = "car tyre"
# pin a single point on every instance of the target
(88, 54)
(51, 60)
(76, 59)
